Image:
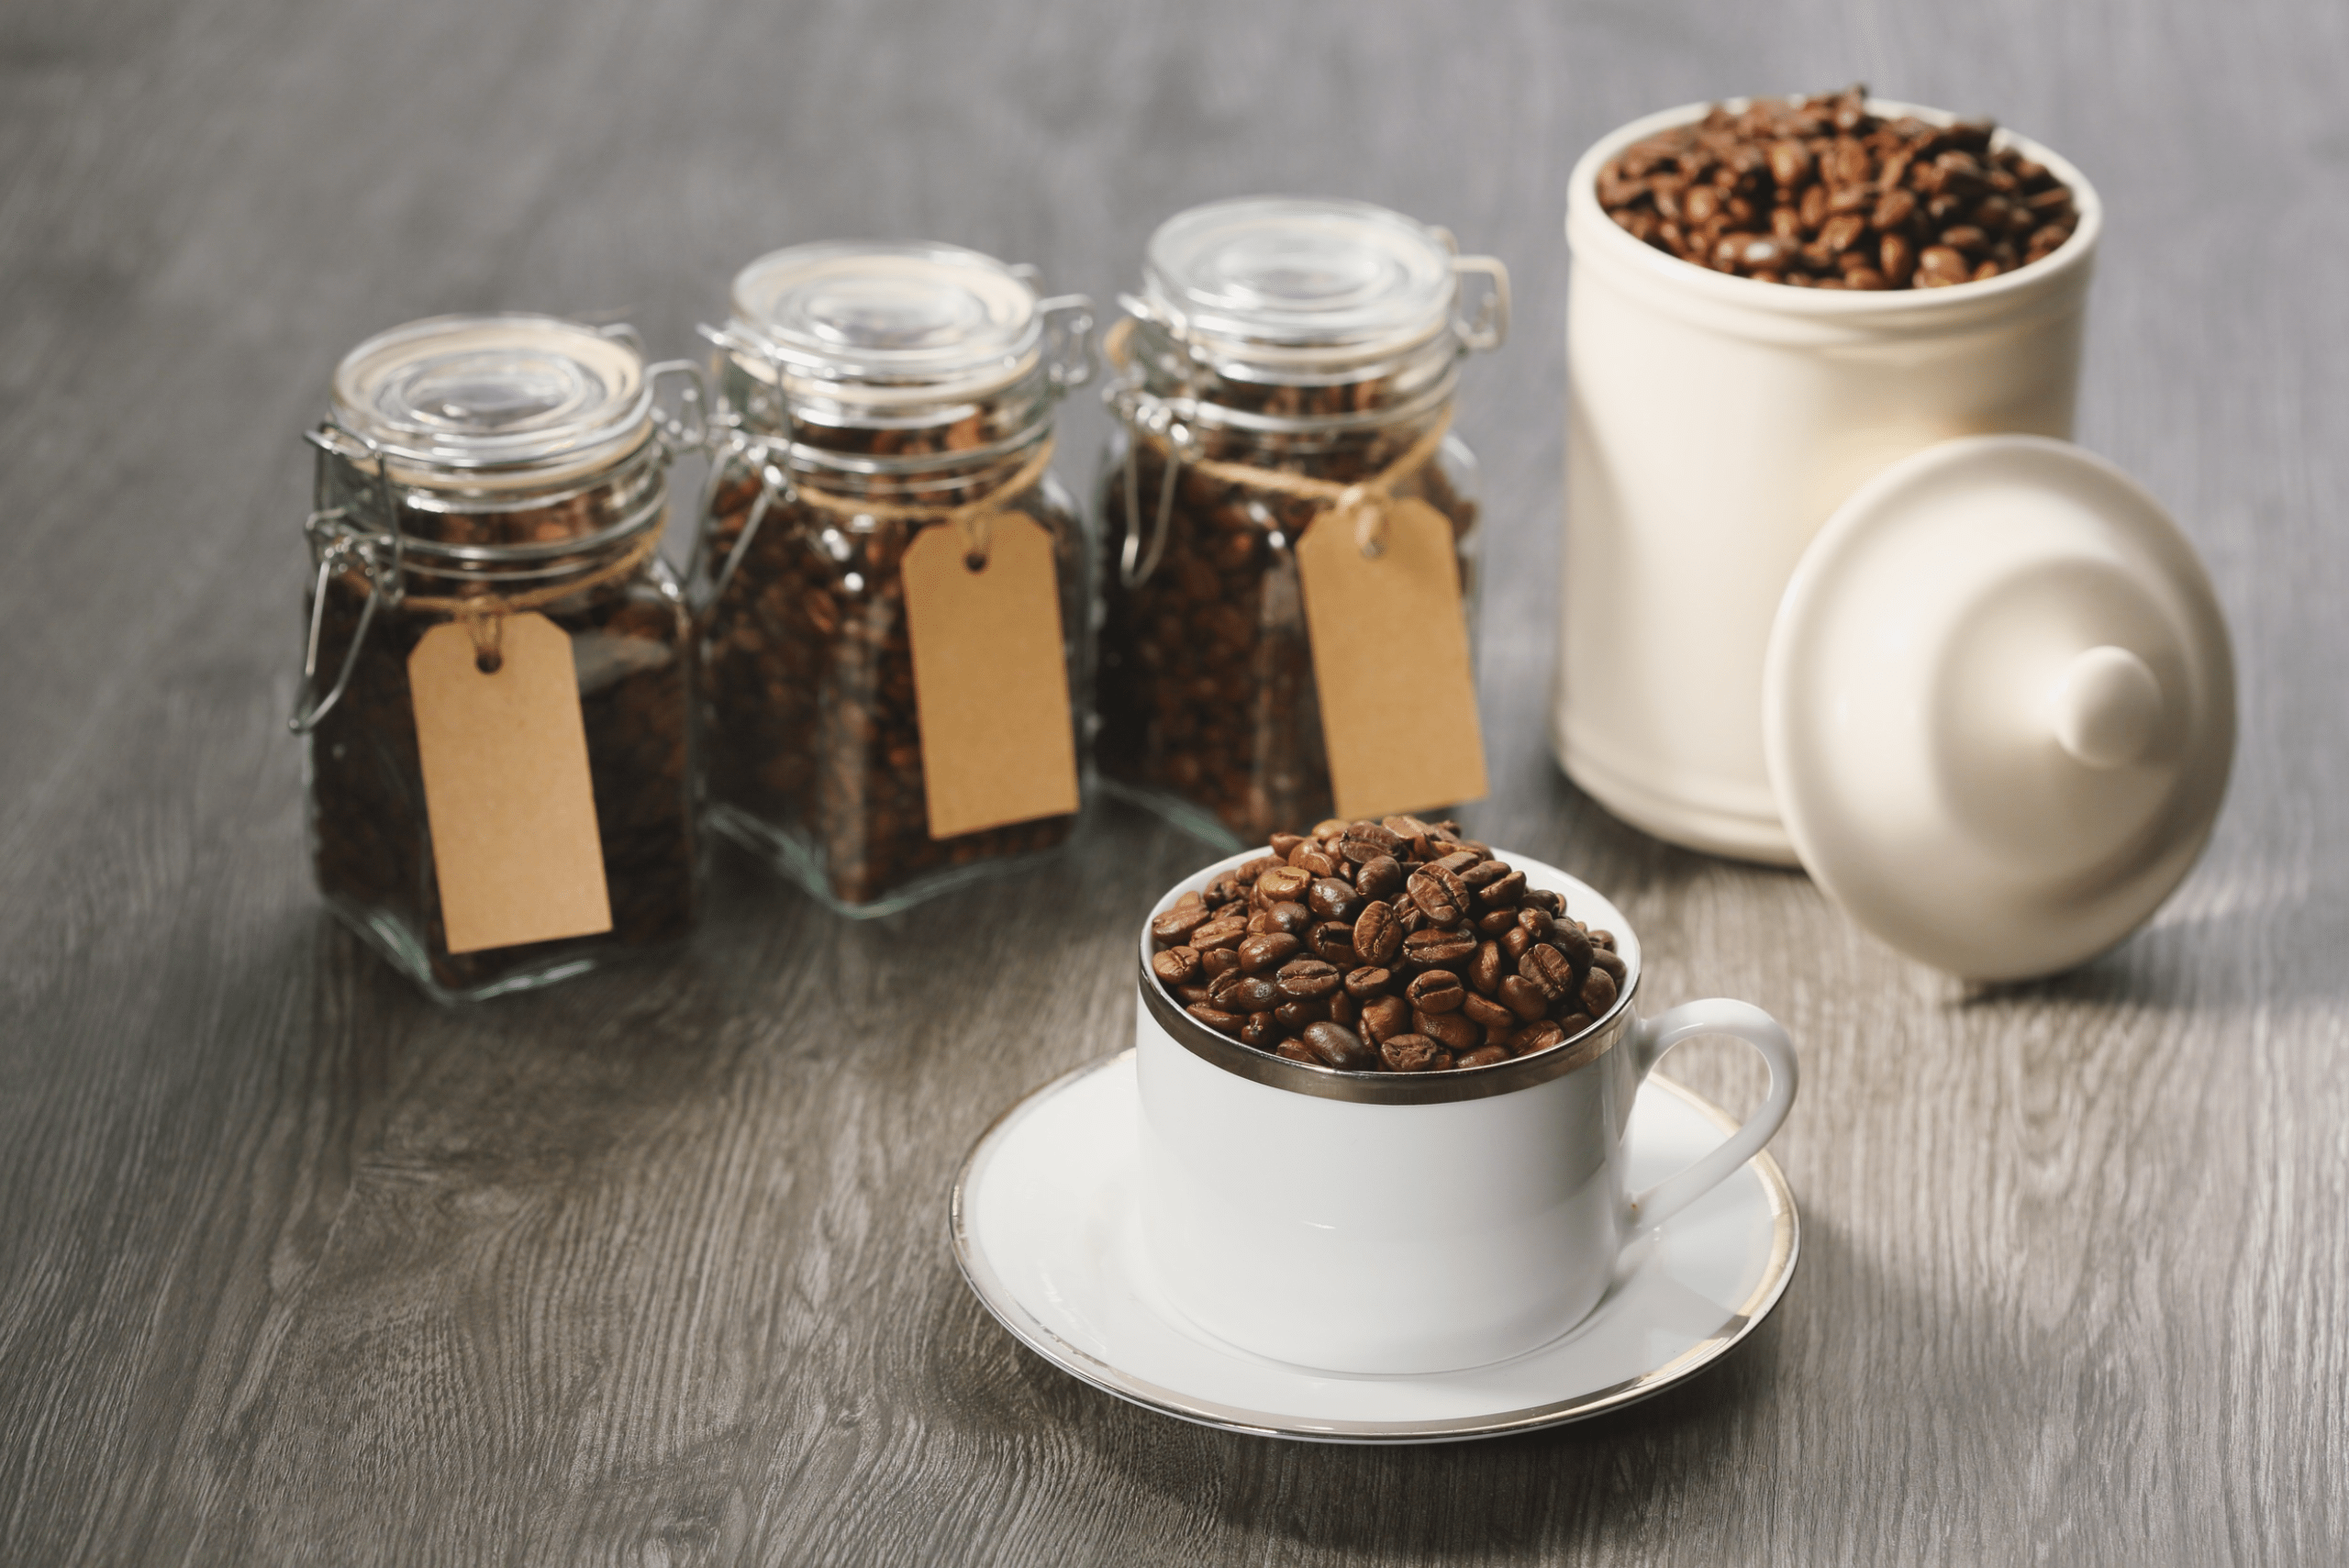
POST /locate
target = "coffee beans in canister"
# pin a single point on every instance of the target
(1392, 946)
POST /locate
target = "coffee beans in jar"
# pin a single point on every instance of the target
(1824, 192)
(882, 403)
(492, 489)
(1288, 362)
(1387, 946)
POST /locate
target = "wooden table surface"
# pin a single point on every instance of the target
(299, 1267)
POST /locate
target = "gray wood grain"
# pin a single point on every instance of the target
(296, 1267)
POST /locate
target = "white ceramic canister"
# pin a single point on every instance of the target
(1382, 1222)
(1714, 425)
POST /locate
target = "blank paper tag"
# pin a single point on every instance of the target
(506, 786)
(990, 678)
(1390, 656)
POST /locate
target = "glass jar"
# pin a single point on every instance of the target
(475, 469)
(1276, 341)
(867, 392)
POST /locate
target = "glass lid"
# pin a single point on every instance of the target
(472, 392)
(936, 320)
(1301, 274)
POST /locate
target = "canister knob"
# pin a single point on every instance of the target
(2107, 707)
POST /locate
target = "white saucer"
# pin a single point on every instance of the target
(1044, 1226)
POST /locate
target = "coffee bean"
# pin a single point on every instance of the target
(1366, 983)
(1246, 873)
(1570, 939)
(1294, 1051)
(1573, 1024)
(1177, 923)
(1294, 918)
(1483, 1056)
(1217, 961)
(1313, 861)
(1261, 1030)
(1363, 842)
(1383, 1018)
(1524, 998)
(1515, 942)
(1379, 878)
(1222, 932)
(1337, 1046)
(1378, 936)
(1217, 1019)
(1597, 993)
(1491, 1014)
(1451, 1030)
(1294, 1016)
(1269, 950)
(1176, 967)
(1436, 991)
(1305, 978)
(1605, 958)
(1333, 942)
(1436, 890)
(1536, 1037)
(1486, 970)
(1436, 948)
(1282, 884)
(1330, 899)
(1246, 993)
(1547, 968)
(1413, 1053)
(1186, 994)
(1501, 895)
(1284, 844)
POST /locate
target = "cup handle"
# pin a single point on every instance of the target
(1654, 1037)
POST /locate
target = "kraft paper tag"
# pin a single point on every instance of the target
(990, 677)
(1390, 656)
(506, 786)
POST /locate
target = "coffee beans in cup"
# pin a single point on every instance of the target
(1387, 946)
(1819, 193)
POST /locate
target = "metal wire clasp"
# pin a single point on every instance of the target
(381, 555)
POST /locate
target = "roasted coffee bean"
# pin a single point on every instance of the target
(1333, 942)
(1178, 923)
(1378, 935)
(1294, 1051)
(1246, 993)
(1217, 1018)
(1413, 1053)
(1261, 1030)
(1305, 978)
(1249, 871)
(1524, 998)
(1460, 862)
(1379, 878)
(1535, 921)
(1501, 895)
(1176, 967)
(1436, 948)
(1547, 968)
(1514, 941)
(1282, 884)
(1330, 899)
(1368, 981)
(1792, 191)
(1186, 994)
(1436, 889)
(1486, 970)
(1605, 958)
(1493, 922)
(1490, 1014)
(1385, 1017)
(1597, 993)
(1451, 1030)
(1294, 1016)
(1217, 961)
(1337, 1046)
(1436, 991)
(1294, 918)
(1571, 940)
(1602, 939)
(1363, 842)
(1283, 844)
(1573, 1024)
(1343, 1009)
(1221, 933)
(1409, 916)
(1314, 861)
(1541, 898)
(1269, 950)
(1539, 1036)
(1483, 1056)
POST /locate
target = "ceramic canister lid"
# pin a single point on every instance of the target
(1998, 706)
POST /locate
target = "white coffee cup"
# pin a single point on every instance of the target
(1380, 1222)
